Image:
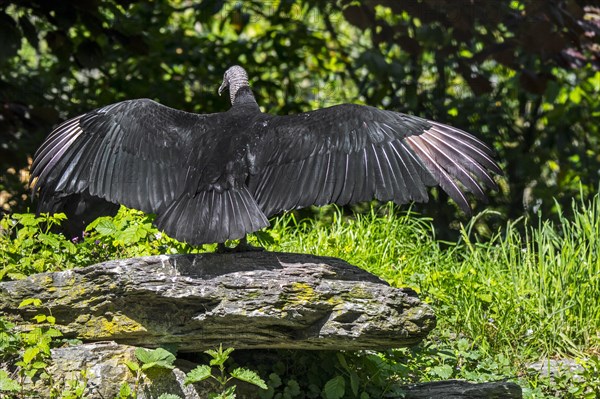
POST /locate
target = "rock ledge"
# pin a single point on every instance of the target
(244, 300)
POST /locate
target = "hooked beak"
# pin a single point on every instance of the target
(223, 86)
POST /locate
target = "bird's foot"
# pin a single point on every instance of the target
(243, 246)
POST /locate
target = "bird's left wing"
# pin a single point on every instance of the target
(350, 153)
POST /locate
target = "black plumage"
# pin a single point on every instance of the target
(214, 177)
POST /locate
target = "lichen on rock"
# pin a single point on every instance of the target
(243, 300)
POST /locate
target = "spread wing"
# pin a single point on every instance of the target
(350, 153)
(147, 156)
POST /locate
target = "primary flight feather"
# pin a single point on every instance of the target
(214, 177)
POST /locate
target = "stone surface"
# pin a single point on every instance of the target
(551, 368)
(102, 365)
(458, 389)
(245, 300)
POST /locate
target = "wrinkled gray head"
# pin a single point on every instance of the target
(234, 78)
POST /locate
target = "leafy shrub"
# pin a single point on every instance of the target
(28, 244)
(28, 353)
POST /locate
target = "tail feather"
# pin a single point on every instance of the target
(212, 216)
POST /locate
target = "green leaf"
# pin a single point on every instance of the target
(30, 301)
(144, 355)
(575, 95)
(228, 393)
(220, 356)
(269, 393)
(342, 359)
(30, 354)
(8, 384)
(39, 365)
(248, 376)
(335, 388)
(69, 247)
(354, 382)
(133, 366)
(131, 235)
(149, 365)
(159, 364)
(274, 380)
(158, 357)
(198, 374)
(26, 219)
(105, 227)
(31, 373)
(40, 318)
(53, 332)
(443, 371)
(125, 391)
(292, 388)
(49, 240)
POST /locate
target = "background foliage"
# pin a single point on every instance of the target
(523, 75)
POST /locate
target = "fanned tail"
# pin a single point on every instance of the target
(212, 216)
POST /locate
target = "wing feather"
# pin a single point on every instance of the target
(441, 175)
(350, 153)
(108, 152)
(446, 162)
(480, 156)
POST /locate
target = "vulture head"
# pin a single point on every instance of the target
(234, 78)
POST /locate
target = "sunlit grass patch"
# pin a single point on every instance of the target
(532, 290)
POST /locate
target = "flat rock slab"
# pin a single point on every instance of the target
(459, 389)
(245, 300)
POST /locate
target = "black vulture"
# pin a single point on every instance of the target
(215, 177)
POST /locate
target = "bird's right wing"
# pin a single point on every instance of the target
(350, 153)
(134, 153)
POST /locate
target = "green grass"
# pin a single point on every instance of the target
(531, 291)
(529, 295)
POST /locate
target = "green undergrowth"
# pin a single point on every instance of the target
(527, 293)
(532, 294)
(29, 244)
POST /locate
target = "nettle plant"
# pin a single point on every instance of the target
(29, 244)
(27, 355)
(222, 381)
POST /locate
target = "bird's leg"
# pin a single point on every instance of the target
(221, 248)
(242, 246)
